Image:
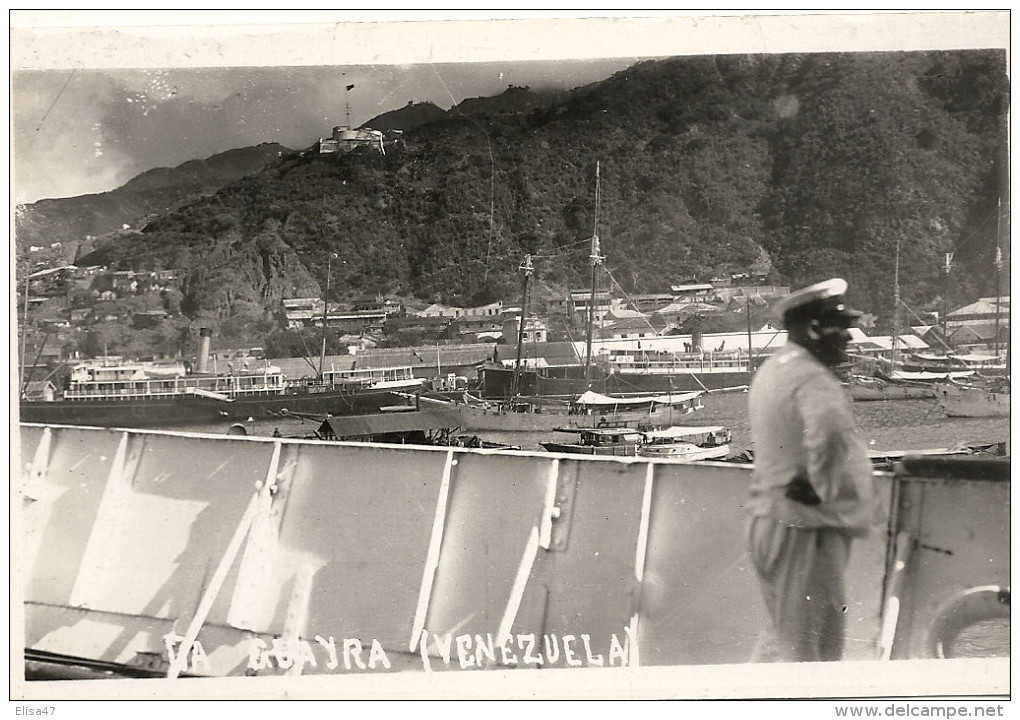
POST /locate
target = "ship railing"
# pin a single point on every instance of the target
(143, 394)
(271, 385)
(682, 365)
(366, 376)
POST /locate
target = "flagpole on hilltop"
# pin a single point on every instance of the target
(347, 103)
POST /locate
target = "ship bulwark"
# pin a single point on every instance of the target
(263, 556)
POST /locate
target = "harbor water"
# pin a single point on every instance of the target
(886, 425)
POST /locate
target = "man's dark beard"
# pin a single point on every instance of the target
(830, 348)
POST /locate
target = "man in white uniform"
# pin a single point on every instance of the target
(812, 489)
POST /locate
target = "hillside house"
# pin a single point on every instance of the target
(345, 139)
(163, 276)
(694, 292)
(472, 325)
(50, 281)
(493, 309)
(40, 390)
(650, 302)
(535, 330)
(577, 301)
(974, 324)
(124, 281)
(302, 312)
(679, 310)
(87, 272)
(633, 327)
(52, 325)
(753, 292)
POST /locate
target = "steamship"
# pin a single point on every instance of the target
(114, 394)
(655, 365)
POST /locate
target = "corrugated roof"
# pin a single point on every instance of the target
(448, 355)
(553, 352)
(642, 322)
(691, 288)
(982, 330)
(981, 307)
(885, 342)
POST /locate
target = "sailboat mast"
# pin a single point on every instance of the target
(24, 339)
(596, 258)
(945, 300)
(896, 310)
(750, 347)
(526, 268)
(325, 304)
(998, 273)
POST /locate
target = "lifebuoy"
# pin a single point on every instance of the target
(986, 602)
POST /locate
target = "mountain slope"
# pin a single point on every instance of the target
(70, 220)
(821, 163)
(407, 118)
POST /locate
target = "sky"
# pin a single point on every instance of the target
(85, 131)
(98, 97)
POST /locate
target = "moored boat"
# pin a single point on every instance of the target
(956, 363)
(670, 443)
(971, 400)
(864, 388)
(599, 441)
(669, 371)
(122, 394)
(529, 414)
(437, 427)
(686, 443)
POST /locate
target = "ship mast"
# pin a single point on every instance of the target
(750, 347)
(998, 275)
(596, 259)
(896, 310)
(526, 268)
(325, 304)
(945, 299)
(24, 339)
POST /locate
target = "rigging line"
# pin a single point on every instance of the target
(53, 104)
(920, 320)
(492, 168)
(974, 233)
(562, 249)
(633, 304)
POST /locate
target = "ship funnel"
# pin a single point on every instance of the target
(697, 340)
(205, 338)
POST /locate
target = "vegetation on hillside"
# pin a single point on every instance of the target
(822, 164)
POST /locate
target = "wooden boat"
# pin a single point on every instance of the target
(439, 427)
(599, 441)
(863, 388)
(972, 400)
(672, 443)
(887, 459)
(686, 443)
(587, 410)
(956, 363)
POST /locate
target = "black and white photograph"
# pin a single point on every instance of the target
(543, 355)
